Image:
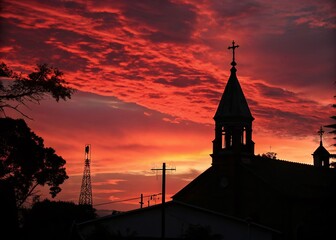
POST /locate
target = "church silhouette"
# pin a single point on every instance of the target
(296, 199)
(278, 198)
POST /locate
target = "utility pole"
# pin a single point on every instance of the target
(141, 200)
(163, 214)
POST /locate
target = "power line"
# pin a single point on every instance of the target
(125, 200)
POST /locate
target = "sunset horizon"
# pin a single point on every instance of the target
(149, 76)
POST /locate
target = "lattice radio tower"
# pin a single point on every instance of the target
(85, 197)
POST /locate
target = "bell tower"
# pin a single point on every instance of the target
(321, 155)
(233, 120)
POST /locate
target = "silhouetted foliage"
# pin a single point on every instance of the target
(333, 131)
(55, 219)
(45, 80)
(9, 215)
(271, 155)
(26, 163)
(333, 126)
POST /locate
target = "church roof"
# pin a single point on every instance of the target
(289, 179)
(321, 151)
(233, 103)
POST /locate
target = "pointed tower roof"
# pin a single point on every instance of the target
(321, 151)
(233, 102)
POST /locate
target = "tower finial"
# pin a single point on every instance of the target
(321, 132)
(233, 47)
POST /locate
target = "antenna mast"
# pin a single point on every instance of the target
(85, 197)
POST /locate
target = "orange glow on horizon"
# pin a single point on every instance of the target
(149, 78)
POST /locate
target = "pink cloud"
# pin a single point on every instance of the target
(153, 75)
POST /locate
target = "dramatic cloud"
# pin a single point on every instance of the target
(150, 75)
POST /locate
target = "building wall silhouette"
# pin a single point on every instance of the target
(296, 199)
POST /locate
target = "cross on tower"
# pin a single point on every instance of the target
(233, 47)
(321, 132)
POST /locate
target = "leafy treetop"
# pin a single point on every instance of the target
(45, 80)
(26, 163)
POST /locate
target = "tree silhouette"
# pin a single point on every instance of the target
(333, 126)
(55, 219)
(333, 131)
(44, 81)
(26, 163)
(271, 155)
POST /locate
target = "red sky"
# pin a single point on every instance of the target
(149, 75)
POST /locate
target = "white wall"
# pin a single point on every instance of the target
(147, 222)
